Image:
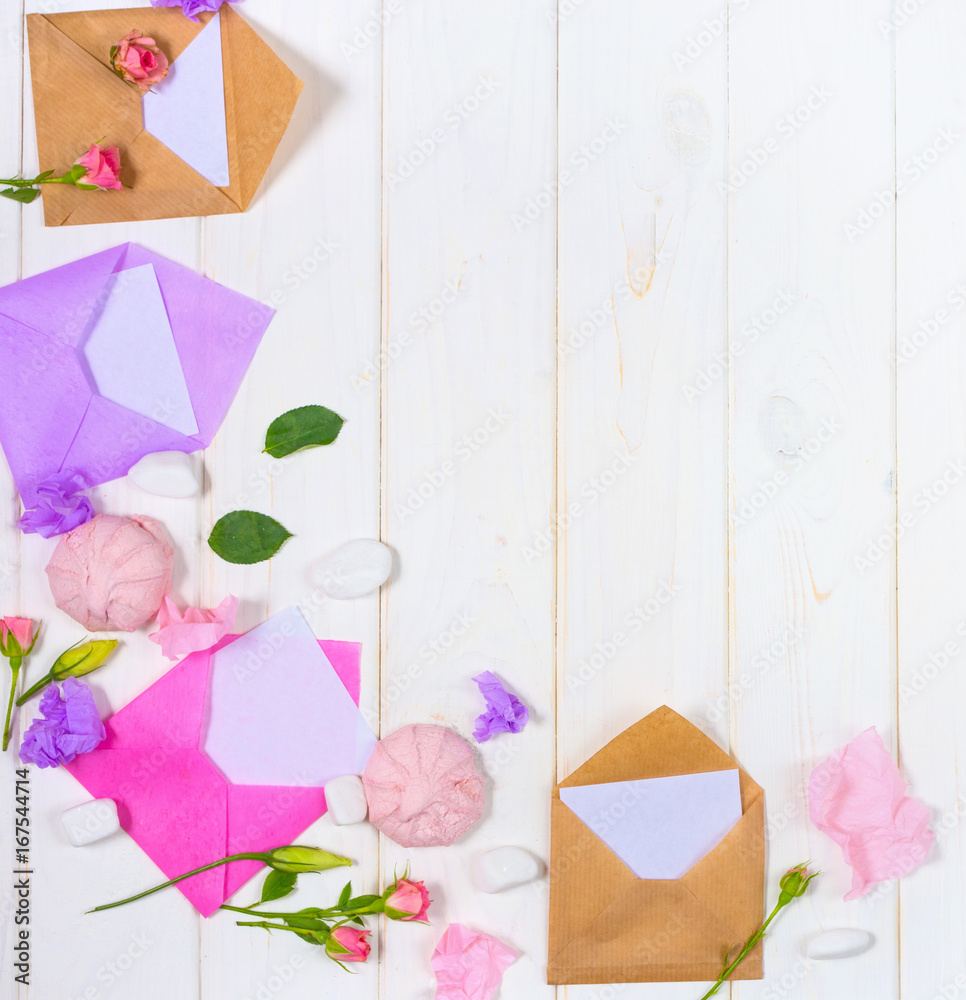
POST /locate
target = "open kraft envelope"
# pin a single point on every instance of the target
(230, 750)
(198, 144)
(607, 925)
(89, 392)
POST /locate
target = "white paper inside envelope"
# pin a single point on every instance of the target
(660, 827)
(131, 355)
(186, 110)
(277, 713)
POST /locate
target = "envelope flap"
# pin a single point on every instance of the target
(730, 880)
(260, 93)
(58, 303)
(661, 744)
(96, 31)
(77, 101)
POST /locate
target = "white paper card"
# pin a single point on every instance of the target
(277, 713)
(131, 354)
(660, 827)
(186, 110)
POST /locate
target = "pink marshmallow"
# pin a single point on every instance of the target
(423, 787)
(111, 574)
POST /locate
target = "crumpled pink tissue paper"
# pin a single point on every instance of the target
(859, 799)
(197, 629)
(469, 965)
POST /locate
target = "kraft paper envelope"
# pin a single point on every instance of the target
(199, 144)
(609, 926)
(217, 757)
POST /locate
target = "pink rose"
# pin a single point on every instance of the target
(22, 630)
(138, 60)
(346, 944)
(408, 901)
(103, 168)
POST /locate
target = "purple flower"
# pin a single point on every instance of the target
(505, 713)
(191, 7)
(70, 726)
(61, 507)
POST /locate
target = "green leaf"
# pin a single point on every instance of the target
(306, 427)
(344, 898)
(313, 937)
(244, 537)
(296, 920)
(24, 195)
(278, 885)
(45, 175)
(360, 901)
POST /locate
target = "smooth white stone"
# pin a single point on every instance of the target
(354, 570)
(90, 821)
(167, 474)
(506, 867)
(842, 942)
(346, 799)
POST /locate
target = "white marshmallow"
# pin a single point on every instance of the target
(354, 570)
(90, 821)
(167, 474)
(506, 867)
(346, 799)
(842, 942)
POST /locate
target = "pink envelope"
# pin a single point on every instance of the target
(176, 804)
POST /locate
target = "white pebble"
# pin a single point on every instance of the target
(355, 569)
(167, 474)
(90, 821)
(506, 867)
(843, 942)
(346, 799)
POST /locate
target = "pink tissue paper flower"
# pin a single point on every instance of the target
(111, 574)
(469, 965)
(859, 799)
(180, 634)
(191, 8)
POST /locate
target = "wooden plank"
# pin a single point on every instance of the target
(641, 514)
(930, 301)
(310, 244)
(118, 949)
(811, 442)
(468, 437)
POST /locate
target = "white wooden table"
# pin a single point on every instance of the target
(610, 294)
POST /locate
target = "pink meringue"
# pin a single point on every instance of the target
(423, 787)
(112, 573)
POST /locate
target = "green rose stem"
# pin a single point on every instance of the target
(286, 859)
(793, 884)
(16, 662)
(68, 178)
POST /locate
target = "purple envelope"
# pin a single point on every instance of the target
(113, 357)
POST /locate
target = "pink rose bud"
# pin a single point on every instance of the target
(407, 900)
(103, 169)
(138, 60)
(20, 631)
(346, 944)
